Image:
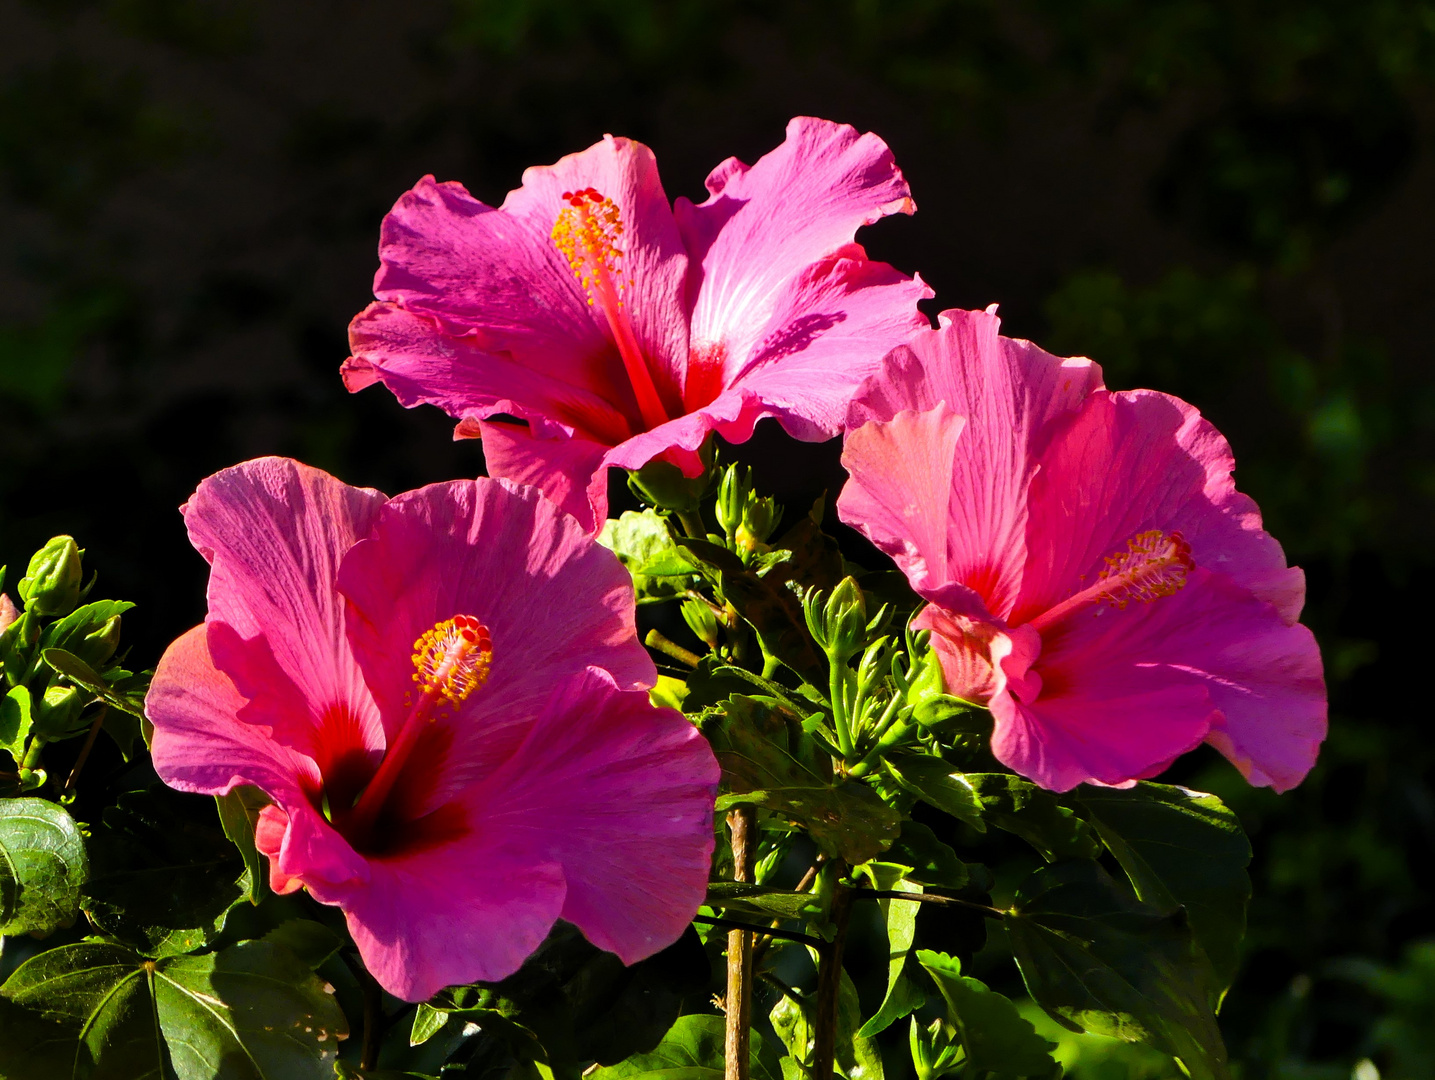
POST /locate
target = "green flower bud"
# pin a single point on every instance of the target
(838, 620)
(759, 518)
(699, 616)
(662, 484)
(57, 711)
(733, 491)
(51, 585)
(100, 643)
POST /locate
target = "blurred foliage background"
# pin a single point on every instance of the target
(1230, 200)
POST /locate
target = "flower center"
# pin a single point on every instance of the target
(451, 661)
(587, 233)
(1154, 564)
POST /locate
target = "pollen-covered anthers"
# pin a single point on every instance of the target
(587, 232)
(451, 659)
(1154, 564)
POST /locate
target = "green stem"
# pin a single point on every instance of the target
(837, 691)
(692, 523)
(894, 735)
(658, 641)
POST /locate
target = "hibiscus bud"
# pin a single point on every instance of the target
(733, 491)
(698, 614)
(759, 518)
(8, 611)
(745, 516)
(51, 585)
(100, 643)
(57, 711)
(662, 484)
(838, 623)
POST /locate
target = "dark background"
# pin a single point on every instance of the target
(1234, 202)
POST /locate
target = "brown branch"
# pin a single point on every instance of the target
(742, 824)
(85, 750)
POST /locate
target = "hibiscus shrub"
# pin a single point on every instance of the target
(503, 786)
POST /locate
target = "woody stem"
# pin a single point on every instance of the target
(829, 986)
(741, 823)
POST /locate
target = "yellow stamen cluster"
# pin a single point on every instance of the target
(451, 659)
(586, 233)
(1154, 564)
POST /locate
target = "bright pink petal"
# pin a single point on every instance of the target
(273, 531)
(1124, 691)
(900, 488)
(1137, 461)
(654, 261)
(423, 364)
(553, 599)
(201, 745)
(570, 471)
(468, 912)
(620, 794)
(764, 225)
(832, 325)
(1011, 395)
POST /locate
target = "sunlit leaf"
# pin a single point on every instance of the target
(994, 1035)
(43, 866)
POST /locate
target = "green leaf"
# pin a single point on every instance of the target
(644, 544)
(309, 941)
(902, 995)
(31, 1047)
(849, 820)
(15, 721)
(1181, 847)
(760, 900)
(858, 1057)
(691, 1050)
(816, 559)
(1097, 959)
(428, 1022)
(994, 1035)
(238, 812)
(1020, 807)
(932, 861)
(775, 612)
(43, 866)
(164, 882)
(934, 781)
(254, 1007)
(82, 675)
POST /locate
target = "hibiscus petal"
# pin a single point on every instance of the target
(570, 471)
(1123, 691)
(274, 531)
(423, 364)
(901, 483)
(832, 324)
(1010, 394)
(620, 794)
(654, 262)
(553, 599)
(765, 224)
(466, 912)
(1136, 461)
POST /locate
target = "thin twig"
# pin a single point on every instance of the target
(742, 824)
(658, 641)
(85, 750)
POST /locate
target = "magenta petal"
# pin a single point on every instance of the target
(1132, 462)
(764, 225)
(569, 471)
(901, 488)
(620, 794)
(553, 599)
(468, 912)
(653, 261)
(1010, 393)
(273, 531)
(831, 326)
(424, 364)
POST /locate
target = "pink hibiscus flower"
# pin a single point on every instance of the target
(622, 329)
(443, 693)
(1092, 574)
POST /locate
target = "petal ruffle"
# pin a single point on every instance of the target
(620, 794)
(764, 225)
(553, 599)
(273, 531)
